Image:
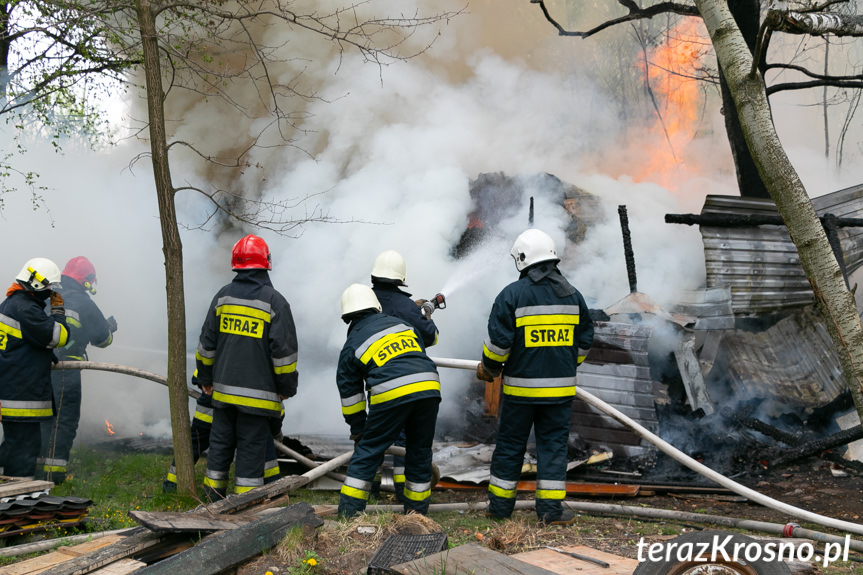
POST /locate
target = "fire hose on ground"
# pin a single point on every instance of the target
(593, 401)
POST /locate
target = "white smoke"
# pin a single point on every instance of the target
(395, 156)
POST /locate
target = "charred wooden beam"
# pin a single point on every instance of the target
(791, 439)
(227, 549)
(839, 439)
(747, 220)
(627, 249)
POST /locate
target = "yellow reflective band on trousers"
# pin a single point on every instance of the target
(550, 493)
(246, 401)
(355, 493)
(416, 495)
(215, 483)
(403, 391)
(173, 478)
(243, 488)
(500, 492)
(272, 471)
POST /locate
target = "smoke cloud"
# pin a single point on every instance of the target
(394, 150)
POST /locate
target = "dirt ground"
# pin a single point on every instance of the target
(811, 486)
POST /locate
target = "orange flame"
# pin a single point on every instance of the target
(671, 73)
(109, 428)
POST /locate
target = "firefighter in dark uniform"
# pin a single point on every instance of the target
(539, 332)
(247, 359)
(386, 358)
(86, 326)
(388, 275)
(28, 337)
(202, 422)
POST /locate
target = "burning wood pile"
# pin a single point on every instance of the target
(749, 352)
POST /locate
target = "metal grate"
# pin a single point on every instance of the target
(398, 549)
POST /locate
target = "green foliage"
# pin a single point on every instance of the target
(118, 483)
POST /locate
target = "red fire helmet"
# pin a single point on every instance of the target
(82, 271)
(250, 253)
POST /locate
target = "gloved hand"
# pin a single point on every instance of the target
(355, 437)
(57, 304)
(420, 302)
(112, 324)
(427, 308)
(482, 374)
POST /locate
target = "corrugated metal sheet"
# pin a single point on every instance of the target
(760, 264)
(792, 362)
(617, 372)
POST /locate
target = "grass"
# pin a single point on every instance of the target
(118, 483)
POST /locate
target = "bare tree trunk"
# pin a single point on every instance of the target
(786, 189)
(173, 251)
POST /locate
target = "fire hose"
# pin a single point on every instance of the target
(593, 401)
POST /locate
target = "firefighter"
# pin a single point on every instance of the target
(86, 326)
(28, 337)
(386, 358)
(202, 422)
(388, 275)
(539, 332)
(247, 359)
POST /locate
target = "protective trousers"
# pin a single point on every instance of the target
(249, 435)
(551, 430)
(20, 448)
(202, 423)
(418, 419)
(59, 432)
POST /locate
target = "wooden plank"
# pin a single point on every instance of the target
(34, 565)
(236, 503)
(89, 546)
(182, 522)
(13, 487)
(138, 540)
(226, 549)
(469, 559)
(61, 554)
(121, 567)
(142, 538)
(566, 565)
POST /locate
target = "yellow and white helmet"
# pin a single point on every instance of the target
(389, 267)
(531, 247)
(39, 274)
(358, 297)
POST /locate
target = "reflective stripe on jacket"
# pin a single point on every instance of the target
(87, 325)
(387, 359)
(28, 337)
(537, 339)
(248, 346)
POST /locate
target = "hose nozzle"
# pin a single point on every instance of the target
(439, 301)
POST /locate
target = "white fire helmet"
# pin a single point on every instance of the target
(358, 297)
(531, 247)
(389, 265)
(39, 274)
